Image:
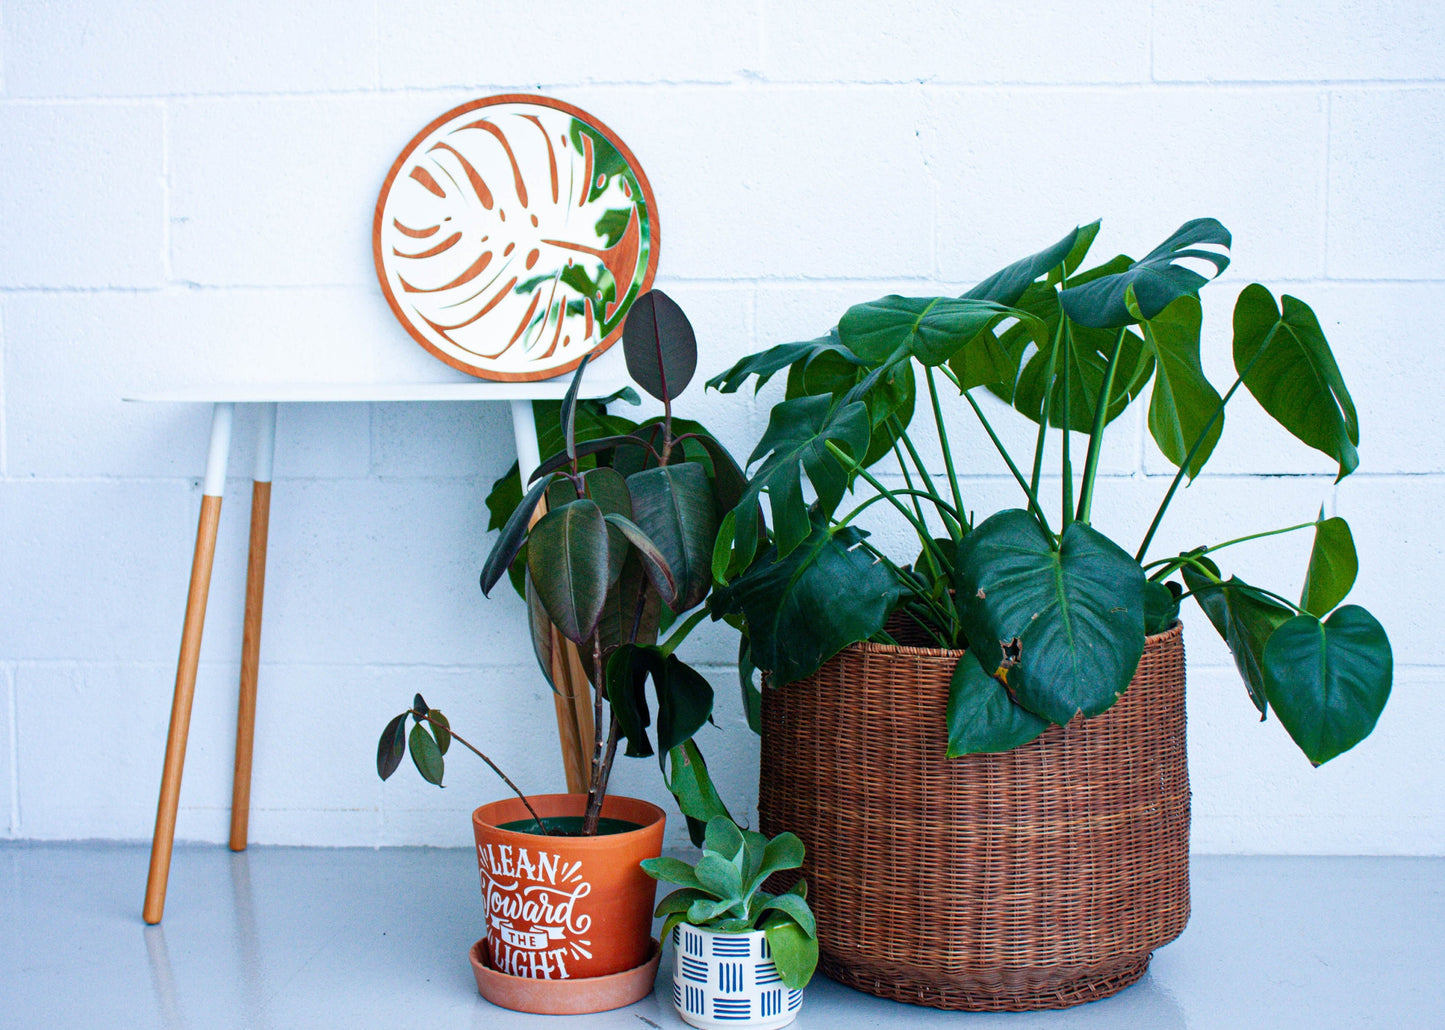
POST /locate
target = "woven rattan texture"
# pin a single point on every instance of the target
(1038, 878)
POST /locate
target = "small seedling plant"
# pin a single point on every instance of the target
(724, 893)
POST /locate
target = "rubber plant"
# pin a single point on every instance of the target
(620, 553)
(1052, 610)
(723, 892)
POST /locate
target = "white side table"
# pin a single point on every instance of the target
(223, 400)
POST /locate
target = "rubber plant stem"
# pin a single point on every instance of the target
(596, 789)
(505, 778)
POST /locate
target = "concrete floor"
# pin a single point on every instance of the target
(310, 937)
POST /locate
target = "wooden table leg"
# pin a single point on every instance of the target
(251, 629)
(165, 832)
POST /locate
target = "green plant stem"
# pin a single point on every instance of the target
(998, 444)
(943, 438)
(505, 778)
(883, 497)
(1175, 563)
(944, 618)
(919, 527)
(908, 482)
(1188, 458)
(680, 634)
(955, 531)
(1066, 469)
(1096, 433)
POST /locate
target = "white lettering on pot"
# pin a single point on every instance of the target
(533, 922)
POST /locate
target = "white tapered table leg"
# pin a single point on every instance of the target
(165, 832)
(251, 628)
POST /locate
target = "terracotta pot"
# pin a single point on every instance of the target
(563, 997)
(562, 908)
(729, 979)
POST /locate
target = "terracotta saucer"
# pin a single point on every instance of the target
(563, 997)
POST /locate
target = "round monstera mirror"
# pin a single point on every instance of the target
(512, 235)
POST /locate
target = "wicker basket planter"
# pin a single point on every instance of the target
(1038, 878)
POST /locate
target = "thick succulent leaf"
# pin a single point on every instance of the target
(687, 777)
(1157, 279)
(804, 608)
(1289, 368)
(514, 535)
(796, 908)
(724, 838)
(1333, 566)
(1082, 352)
(674, 506)
(795, 444)
(981, 716)
(1329, 681)
(671, 870)
(1244, 617)
(795, 952)
(1161, 606)
(425, 754)
(659, 344)
(785, 851)
(930, 329)
(391, 748)
(1007, 285)
(766, 364)
(568, 561)
(677, 901)
(720, 877)
(1063, 629)
(703, 912)
(684, 697)
(653, 560)
(1183, 403)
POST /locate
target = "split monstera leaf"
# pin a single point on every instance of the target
(1052, 611)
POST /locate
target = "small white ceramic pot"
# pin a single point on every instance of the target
(728, 979)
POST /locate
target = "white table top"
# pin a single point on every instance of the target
(266, 393)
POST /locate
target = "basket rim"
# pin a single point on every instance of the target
(869, 647)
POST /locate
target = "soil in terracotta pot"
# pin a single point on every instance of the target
(568, 826)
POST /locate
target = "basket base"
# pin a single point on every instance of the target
(1028, 995)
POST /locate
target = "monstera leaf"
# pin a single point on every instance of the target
(837, 373)
(766, 364)
(1289, 367)
(1007, 285)
(1184, 405)
(1158, 279)
(1244, 617)
(1333, 566)
(1329, 681)
(982, 718)
(796, 440)
(1062, 629)
(806, 606)
(930, 329)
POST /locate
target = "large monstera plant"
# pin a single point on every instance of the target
(1052, 611)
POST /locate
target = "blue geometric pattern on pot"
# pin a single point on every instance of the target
(731, 1008)
(692, 969)
(691, 941)
(766, 973)
(767, 949)
(795, 998)
(731, 947)
(677, 994)
(771, 1003)
(695, 1001)
(730, 977)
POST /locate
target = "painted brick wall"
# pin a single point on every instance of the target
(185, 196)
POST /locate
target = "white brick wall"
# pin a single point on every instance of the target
(185, 196)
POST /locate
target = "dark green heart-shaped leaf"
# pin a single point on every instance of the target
(981, 717)
(1184, 405)
(795, 951)
(1329, 681)
(568, 560)
(796, 442)
(1333, 566)
(931, 329)
(673, 505)
(425, 754)
(659, 344)
(1244, 617)
(1157, 279)
(1007, 285)
(687, 777)
(802, 609)
(1064, 628)
(391, 748)
(1161, 606)
(1289, 368)
(514, 535)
